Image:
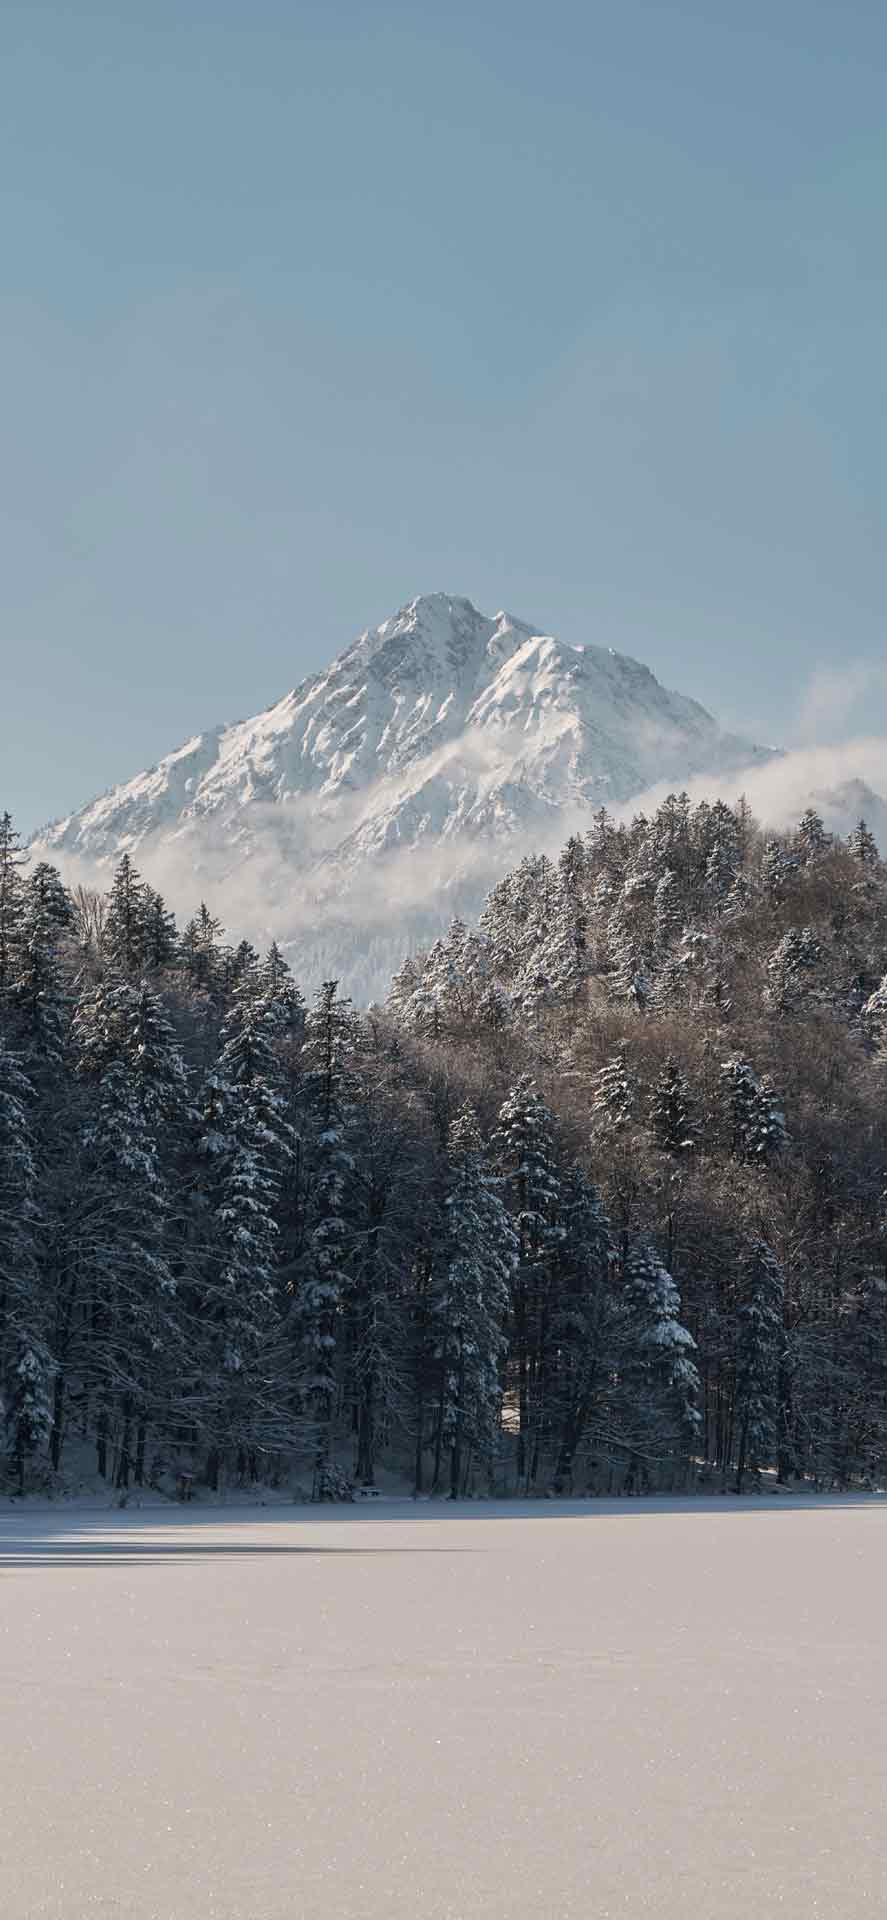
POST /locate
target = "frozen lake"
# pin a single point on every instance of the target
(637, 1708)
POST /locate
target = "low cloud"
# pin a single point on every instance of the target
(298, 871)
(779, 792)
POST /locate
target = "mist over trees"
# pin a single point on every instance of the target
(596, 1201)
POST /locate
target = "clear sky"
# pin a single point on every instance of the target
(311, 305)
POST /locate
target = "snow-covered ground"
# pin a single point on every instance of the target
(639, 1708)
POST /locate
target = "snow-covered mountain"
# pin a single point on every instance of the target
(434, 740)
(440, 722)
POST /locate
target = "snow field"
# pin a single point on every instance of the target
(639, 1708)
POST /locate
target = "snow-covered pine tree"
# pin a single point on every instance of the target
(614, 1095)
(581, 1334)
(628, 982)
(523, 1150)
(37, 998)
(740, 1091)
(573, 874)
(668, 916)
(810, 840)
(606, 848)
(863, 846)
(669, 837)
(12, 901)
(276, 981)
(244, 963)
(25, 1364)
(392, 1207)
(471, 1304)
(724, 860)
(124, 932)
(673, 1121)
(125, 1052)
(759, 1344)
(246, 1145)
(694, 975)
(201, 950)
(47, 899)
(516, 916)
(331, 1041)
(660, 1379)
(159, 939)
(556, 969)
(790, 965)
(756, 1129)
(38, 1021)
(778, 865)
(404, 985)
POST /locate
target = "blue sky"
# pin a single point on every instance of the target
(306, 308)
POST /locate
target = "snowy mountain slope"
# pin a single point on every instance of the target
(438, 726)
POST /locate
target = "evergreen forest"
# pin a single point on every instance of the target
(596, 1202)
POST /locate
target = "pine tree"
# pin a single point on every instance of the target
(756, 1128)
(557, 968)
(403, 986)
(37, 997)
(246, 1145)
(125, 927)
(524, 1154)
(810, 840)
(863, 846)
(673, 1122)
(722, 866)
(25, 1366)
(47, 899)
(659, 1372)
(614, 1095)
(797, 956)
(777, 867)
(386, 1375)
(330, 1043)
(759, 1343)
(628, 978)
(573, 871)
(244, 964)
(159, 939)
(581, 1321)
(126, 1054)
(200, 949)
(12, 902)
(472, 1303)
(668, 916)
(276, 980)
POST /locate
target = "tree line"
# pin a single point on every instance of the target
(596, 1201)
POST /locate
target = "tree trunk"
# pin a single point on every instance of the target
(438, 1437)
(58, 1415)
(124, 1463)
(743, 1445)
(456, 1450)
(366, 1466)
(101, 1444)
(785, 1464)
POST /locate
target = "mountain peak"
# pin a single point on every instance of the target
(441, 727)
